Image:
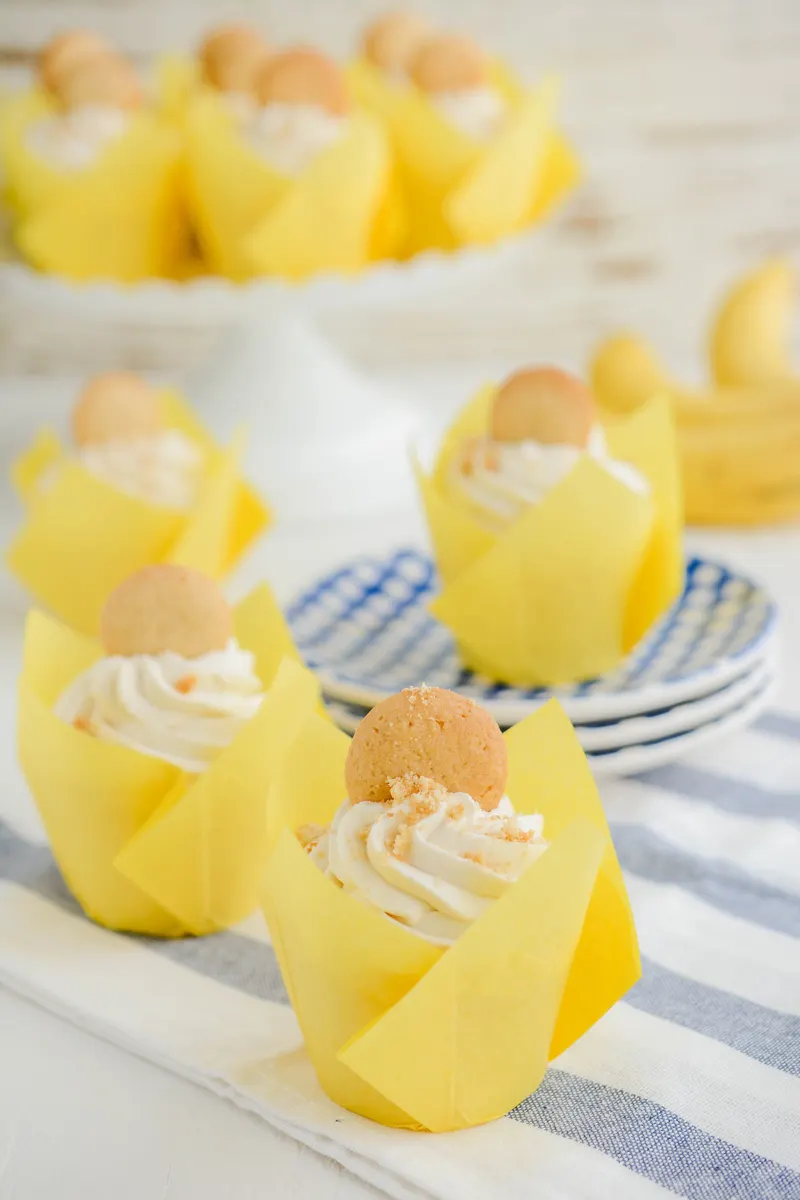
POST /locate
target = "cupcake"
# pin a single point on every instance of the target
(92, 170)
(295, 185)
(226, 62)
(173, 724)
(143, 483)
(478, 154)
(557, 540)
(436, 877)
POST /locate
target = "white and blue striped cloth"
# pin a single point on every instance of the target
(688, 1087)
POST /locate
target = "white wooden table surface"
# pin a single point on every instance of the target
(687, 113)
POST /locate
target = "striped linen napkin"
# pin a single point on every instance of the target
(689, 1087)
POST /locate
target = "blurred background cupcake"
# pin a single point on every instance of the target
(93, 173)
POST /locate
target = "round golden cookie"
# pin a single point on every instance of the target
(543, 404)
(232, 56)
(117, 406)
(66, 53)
(106, 80)
(430, 732)
(166, 607)
(303, 76)
(391, 41)
(446, 63)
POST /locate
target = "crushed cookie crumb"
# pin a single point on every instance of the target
(474, 857)
(83, 724)
(421, 807)
(404, 787)
(186, 684)
(309, 835)
(401, 844)
(511, 831)
(456, 811)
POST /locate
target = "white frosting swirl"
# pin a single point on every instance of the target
(185, 711)
(75, 139)
(478, 112)
(432, 860)
(289, 136)
(501, 479)
(241, 106)
(162, 469)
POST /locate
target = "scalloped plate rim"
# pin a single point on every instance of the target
(580, 709)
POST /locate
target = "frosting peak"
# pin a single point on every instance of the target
(185, 711)
(499, 480)
(164, 468)
(430, 859)
(290, 135)
(74, 140)
(477, 111)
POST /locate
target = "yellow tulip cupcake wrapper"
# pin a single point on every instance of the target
(576, 581)
(413, 1035)
(24, 183)
(739, 435)
(143, 846)
(252, 220)
(177, 81)
(458, 191)
(120, 218)
(81, 537)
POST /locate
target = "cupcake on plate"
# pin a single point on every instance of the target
(171, 726)
(92, 169)
(434, 875)
(294, 186)
(479, 157)
(558, 540)
(143, 483)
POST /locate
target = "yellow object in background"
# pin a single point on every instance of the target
(458, 191)
(413, 1035)
(120, 218)
(327, 220)
(751, 334)
(739, 436)
(575, 582)
(81, 537)
(252, 220)
(143, 846)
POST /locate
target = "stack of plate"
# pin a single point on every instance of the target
(706, 669)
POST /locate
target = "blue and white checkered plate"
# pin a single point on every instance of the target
(366, 631)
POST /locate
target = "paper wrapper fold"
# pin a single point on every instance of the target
(572, 585)
(412, 1035)
(81, 537)
(457, 191)
(143, 846)
(121, 218)
(252, 220)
